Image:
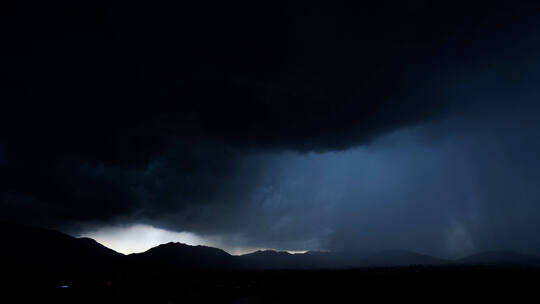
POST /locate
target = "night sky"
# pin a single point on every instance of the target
(294, 125)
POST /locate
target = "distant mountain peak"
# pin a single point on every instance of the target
(268, 252)
(171, 245)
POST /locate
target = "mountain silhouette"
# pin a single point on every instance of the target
(272, 259)
(180, 255)
(31, 248)
(493, 258)
(395, 258)
(318, 259)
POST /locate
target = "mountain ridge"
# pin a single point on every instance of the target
(26, 247)
(499, 257)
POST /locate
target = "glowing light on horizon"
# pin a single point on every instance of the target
(140, 237)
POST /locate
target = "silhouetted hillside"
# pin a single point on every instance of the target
(37, 248)
(184, 256)
(271, 259)
(33, 248)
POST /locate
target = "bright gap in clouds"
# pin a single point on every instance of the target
(140, 237)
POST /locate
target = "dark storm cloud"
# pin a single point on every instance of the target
(124, 77)
(173, 113)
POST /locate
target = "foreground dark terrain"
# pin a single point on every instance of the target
(278, 286)
(44, 266)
